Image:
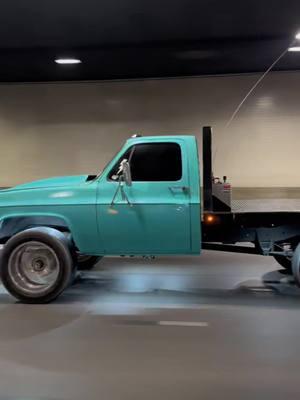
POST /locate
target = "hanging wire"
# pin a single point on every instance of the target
(259, 80)
(255, 86)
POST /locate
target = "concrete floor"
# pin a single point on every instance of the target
(215, 326)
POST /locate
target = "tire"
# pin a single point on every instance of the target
(37, 265)
(296, 265)
(285, 262)
(86, 263)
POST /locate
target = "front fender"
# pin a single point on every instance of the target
(12, 224)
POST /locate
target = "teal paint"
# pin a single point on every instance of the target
(160, 220)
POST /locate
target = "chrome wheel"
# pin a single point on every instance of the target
(33, 268)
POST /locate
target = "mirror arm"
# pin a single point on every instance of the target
(115, 195)
(124, 196)
(120, 187)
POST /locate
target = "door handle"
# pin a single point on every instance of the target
(179, 188)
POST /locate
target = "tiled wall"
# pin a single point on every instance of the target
(60, 129)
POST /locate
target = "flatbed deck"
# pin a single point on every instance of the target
(265, 205)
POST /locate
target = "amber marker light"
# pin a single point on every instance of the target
(210, 219)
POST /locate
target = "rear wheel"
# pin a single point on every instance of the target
(37, 265)
(296, 265)
(285, 262)
(86, 262)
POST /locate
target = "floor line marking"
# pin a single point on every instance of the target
(183, 323)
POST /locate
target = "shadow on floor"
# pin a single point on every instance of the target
(178, 280)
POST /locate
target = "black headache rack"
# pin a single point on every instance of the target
(207, 168)
(216, 191)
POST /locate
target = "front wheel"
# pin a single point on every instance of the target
(37, 265)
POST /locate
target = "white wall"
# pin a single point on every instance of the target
(58, 129)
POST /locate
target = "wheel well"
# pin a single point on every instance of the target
(12, 225)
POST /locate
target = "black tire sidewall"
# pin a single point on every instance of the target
(284, 262)
(88, 264)
(296, 265)
(60, 245)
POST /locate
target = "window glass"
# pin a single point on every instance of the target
(153, 162)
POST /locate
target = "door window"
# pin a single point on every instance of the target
(152, 162)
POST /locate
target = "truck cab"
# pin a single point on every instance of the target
(159, 211)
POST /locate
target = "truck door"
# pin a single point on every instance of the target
(152, 216)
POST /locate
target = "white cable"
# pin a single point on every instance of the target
(250, 92)
(255, 86)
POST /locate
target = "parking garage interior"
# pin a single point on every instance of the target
(155, 326)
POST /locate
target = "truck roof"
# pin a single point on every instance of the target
(142, 139)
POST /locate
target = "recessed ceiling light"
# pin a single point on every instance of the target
(295, 48)
(297, 36)
(68, 61)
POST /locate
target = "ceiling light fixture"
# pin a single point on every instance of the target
(297, 36)
(67, 61)
(294, 48)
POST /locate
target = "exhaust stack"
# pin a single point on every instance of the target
(216, 192)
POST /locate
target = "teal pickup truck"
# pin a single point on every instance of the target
(147, 201)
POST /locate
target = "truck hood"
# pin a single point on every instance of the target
(59, 181)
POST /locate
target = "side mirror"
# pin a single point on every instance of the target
(125, 172)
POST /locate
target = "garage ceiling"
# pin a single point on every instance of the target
(125, 39)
